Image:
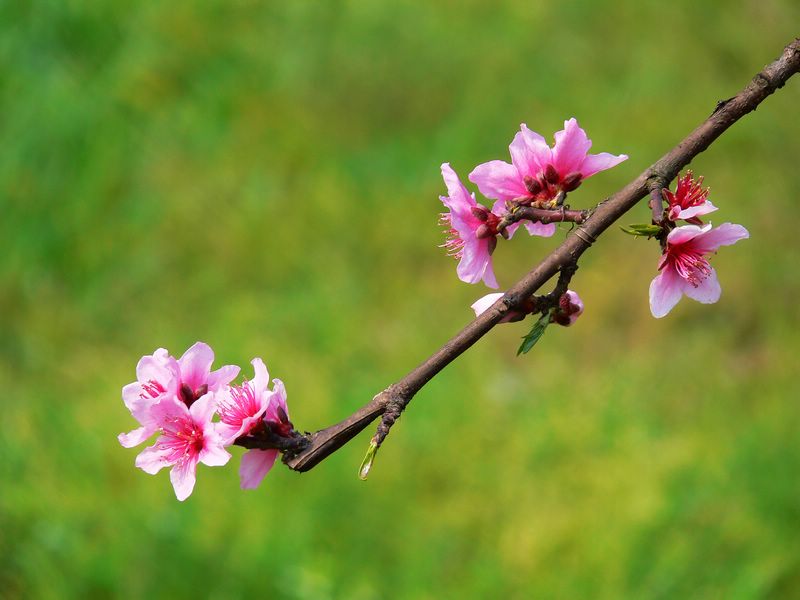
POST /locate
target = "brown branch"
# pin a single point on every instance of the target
(393, 400)
(550, 216)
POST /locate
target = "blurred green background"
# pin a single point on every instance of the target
(264, 177)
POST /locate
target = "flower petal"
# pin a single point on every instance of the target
(724, 235)
(183, 477)
(218, 379)
(708, 291)
(694, 211)
(152, 459)
(255, 465)
(570, 148)
(530, 153)
(685, 233)
(481, 305)
(213, 455)
(203, 409)
(135, 437)
(473, 264)
(498, 180)
(540, 229)
(665, 292)
(594, 163)
(195, 365)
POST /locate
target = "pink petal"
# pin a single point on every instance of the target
(570, 148)
(203, 409)
(458, 198)
(159, 367)
(685, 233)
(195, 365)
(135, 437)
(665, 292)
(261, 378)
(498, 180)
(132, 395)
(255, 465)
(183, 477)
(694, 211)
(540, 229)
(724, 235)
(483, 304)
(277, 399)
(474, 262)
(213, 455)
(595, 163)
(530, 154)
(152, 459)
(218, 379)
(707, 292)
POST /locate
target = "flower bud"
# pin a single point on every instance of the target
(483, 231)
(551, 175)
(571, 182)
(532, 185)
(570, 307)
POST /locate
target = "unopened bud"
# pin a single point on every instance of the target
(483, 231)
(571, 182)
(551, 175)
(532, 185)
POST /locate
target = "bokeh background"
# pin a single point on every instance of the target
(263, 176)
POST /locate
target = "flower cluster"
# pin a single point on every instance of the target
(178, 400)
(538, 176)
(683, 266)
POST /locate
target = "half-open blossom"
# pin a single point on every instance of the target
(257, 463)
(241, 408)
(570, 307)
(187, 437)
(470, 238)
(537, 173)
(161, 378)
(685, 269)
(689, 201)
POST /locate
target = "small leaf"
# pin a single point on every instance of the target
(366, 464)
(536, 332)
(638, 229)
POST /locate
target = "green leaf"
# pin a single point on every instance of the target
(638, 229)
(366, 464)
(536, 332)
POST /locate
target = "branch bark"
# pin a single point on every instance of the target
(392, 401)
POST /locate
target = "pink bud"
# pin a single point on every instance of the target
(551, 175)
(532, 185)
(572, 182)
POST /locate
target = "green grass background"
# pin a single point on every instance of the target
(263, 176)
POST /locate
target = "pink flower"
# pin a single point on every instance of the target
(247, 408)
(689, 201)
(537, 173)
(470, 237)
(570, 307)
(187, 437)
(257, 463)
(684, 268)
(242, 407)
(161, 378)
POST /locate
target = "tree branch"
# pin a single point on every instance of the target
(303, 456)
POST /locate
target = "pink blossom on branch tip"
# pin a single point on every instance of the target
(464, 222)
(570, 307)
(689, 201)
(162, 378)
(188, 437)
(538, 173)
(684, 268)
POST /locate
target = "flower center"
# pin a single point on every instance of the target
(690, 264)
